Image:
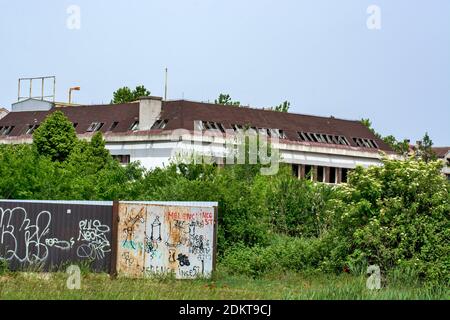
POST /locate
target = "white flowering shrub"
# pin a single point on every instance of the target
(396, 216)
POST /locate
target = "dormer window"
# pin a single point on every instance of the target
(113, 126)
(322, 138)
(277, 133)
(365, 143)
(134, 126)
(160, 124)
(31, 128)
(95, 126)
(5, 131)
(209, 125)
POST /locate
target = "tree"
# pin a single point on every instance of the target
(55, 137)
(283, 107)
(140, 91)
(225, 99)
(401, 147)
(424, 149)
(125, 94)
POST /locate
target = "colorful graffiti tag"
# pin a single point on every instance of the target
(156, 239)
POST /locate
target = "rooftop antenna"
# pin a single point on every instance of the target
(165, 86)
(30, 95)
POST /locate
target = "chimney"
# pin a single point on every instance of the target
(149, 111)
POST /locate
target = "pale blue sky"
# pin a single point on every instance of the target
(318, 54)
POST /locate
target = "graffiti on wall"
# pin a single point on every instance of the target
(157, 239)
(32, 238)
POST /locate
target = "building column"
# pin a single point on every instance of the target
(314, 173)
(338, 175)
(326, 174)
(301, 171)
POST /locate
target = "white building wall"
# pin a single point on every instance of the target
(160, 153)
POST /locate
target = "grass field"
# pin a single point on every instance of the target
(286, 286)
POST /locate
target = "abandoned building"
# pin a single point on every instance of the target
(443, 153)
(321, 148)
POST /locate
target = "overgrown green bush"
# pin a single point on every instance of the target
(397, 216)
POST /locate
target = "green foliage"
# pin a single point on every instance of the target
(125, 94)
(298, 207)
(283, 107)
(424, 150)
(55, 137)
(401, 147)
(397, 215)
(225, 99)
(4, 268)
(285, 254)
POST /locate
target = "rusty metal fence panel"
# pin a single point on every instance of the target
(166, 237)
(51, 234)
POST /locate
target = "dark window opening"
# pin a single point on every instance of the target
(210, 125)
(295, 168)
(365, 143)
(320, 173)
(123, 158)
(308, 172)
(344, 175)
(333, 172)
(113, 126)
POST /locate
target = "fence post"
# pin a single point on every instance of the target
(115, 239)
(216, 224)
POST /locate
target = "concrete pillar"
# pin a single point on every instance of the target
(326, 175)
(302, 171)
(314, 173)
(338, 175)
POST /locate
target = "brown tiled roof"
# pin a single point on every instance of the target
(441, 152)
(182, 114)
(125, 114)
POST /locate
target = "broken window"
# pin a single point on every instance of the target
(210, 125)
(95, 126)
(365, 143)
(322, 138)
(113, 126)
(31, 128)
(134, 126)
(5, 131)
(160, 124)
